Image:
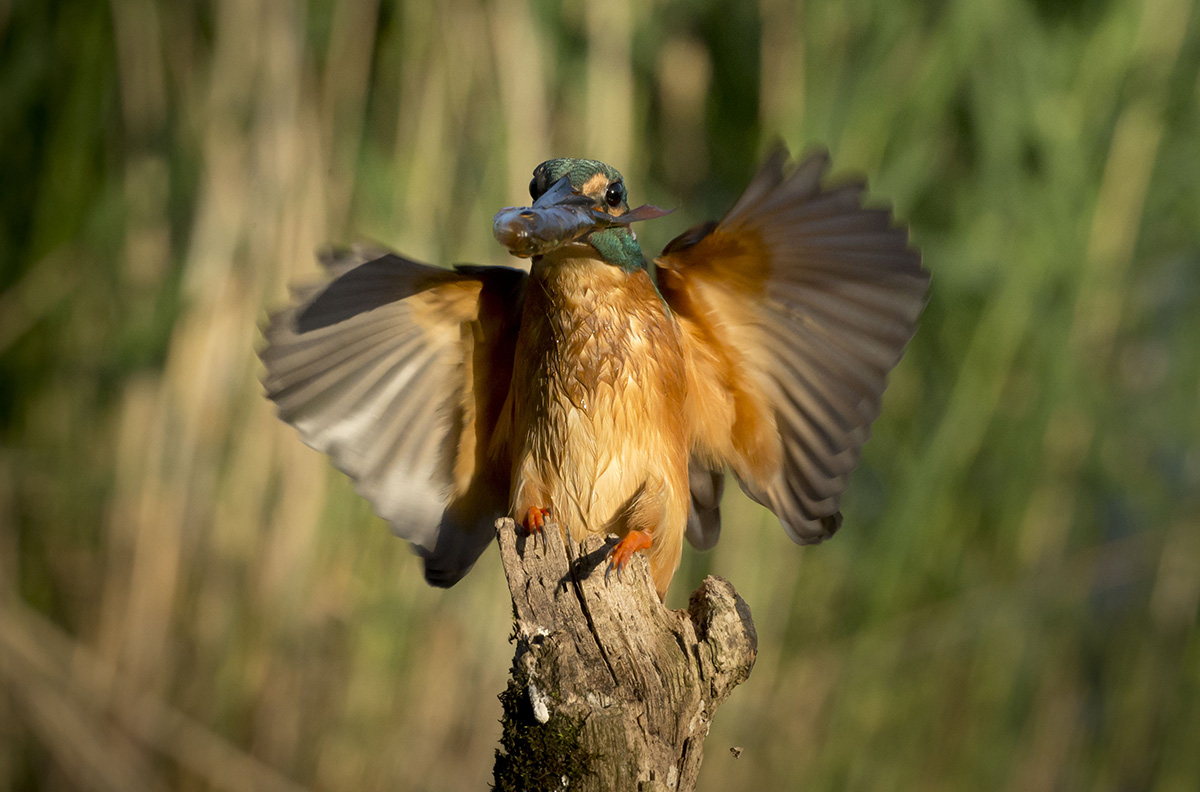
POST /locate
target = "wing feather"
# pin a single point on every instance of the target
(795, 308)
(378, 368)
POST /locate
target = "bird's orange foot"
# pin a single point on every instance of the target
(630, 543)
(534, 520)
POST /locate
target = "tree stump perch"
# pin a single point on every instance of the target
(609, 689)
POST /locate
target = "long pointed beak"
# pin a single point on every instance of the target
(558, 217)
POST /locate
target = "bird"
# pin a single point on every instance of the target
(596, 389)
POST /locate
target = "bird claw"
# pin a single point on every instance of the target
(534, 522)
(608, 571)
(619, 556)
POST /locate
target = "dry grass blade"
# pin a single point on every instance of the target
(54, 678)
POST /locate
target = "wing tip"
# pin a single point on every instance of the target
(703, 527)
(813, 531)
(443, 577)
(458, 546)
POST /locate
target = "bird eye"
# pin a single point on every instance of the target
(615, 194)
(533, 190)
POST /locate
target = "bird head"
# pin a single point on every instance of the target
(575, 201)
(602, 185)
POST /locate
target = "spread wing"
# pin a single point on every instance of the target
(794, 308)
(398, 371)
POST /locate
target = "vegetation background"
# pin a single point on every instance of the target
(191, 599)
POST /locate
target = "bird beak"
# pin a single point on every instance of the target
(560, 216)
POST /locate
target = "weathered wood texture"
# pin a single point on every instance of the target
(610, 690)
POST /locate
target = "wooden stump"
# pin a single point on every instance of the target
(610, 690)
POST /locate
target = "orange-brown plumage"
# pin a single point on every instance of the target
(591, 390)
(598, 432)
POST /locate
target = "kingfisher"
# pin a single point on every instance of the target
(601, 391)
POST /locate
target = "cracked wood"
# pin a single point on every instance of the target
(600, 659)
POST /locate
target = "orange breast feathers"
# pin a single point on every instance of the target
(598, 431)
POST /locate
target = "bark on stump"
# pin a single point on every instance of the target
(610, 690)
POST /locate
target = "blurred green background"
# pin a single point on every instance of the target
(191, 599)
